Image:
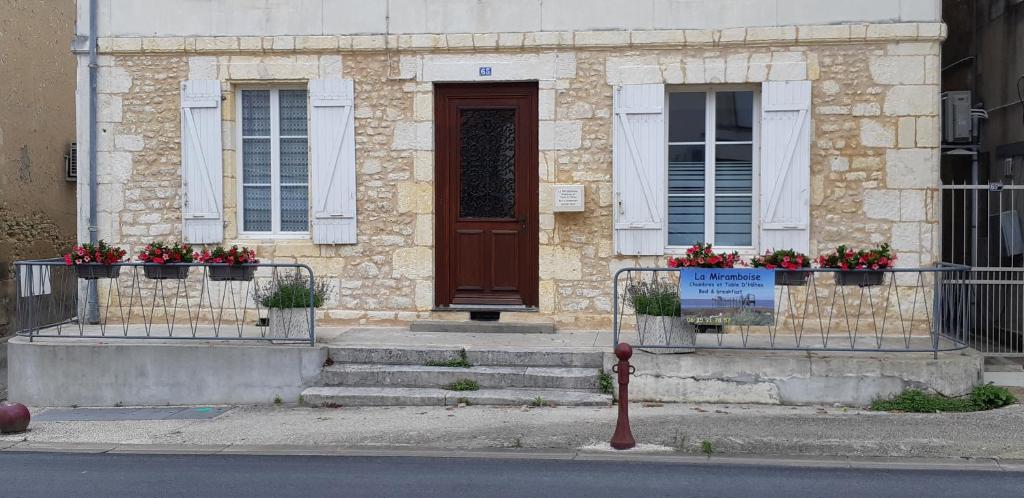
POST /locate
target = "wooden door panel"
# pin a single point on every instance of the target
(469, 249)
(486, 194)
(504, 267)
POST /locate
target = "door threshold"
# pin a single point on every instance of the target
(487, 307)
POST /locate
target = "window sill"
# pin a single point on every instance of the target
(745, 252)
(267, 237)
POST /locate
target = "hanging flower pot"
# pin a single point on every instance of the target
(94, 271)
(165, 272)
(860, 278)
(863, 268)
(161, 259)
(783, 261)
(791, 278)
(94, 261)
(229, 264)
(231, 273)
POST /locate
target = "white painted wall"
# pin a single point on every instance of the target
(338, 17)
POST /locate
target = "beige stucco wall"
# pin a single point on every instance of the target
(37, 125)
(874, 142)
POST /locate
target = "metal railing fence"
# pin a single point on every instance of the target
(910, 310)
(983, 227)
(193, 301)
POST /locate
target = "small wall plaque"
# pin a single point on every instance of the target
(485, 70)
(568, 199)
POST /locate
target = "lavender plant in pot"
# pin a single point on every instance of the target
(658, 317)
(290, 300)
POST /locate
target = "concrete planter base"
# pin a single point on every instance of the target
(66, 372)
(665, 331)
(798, 377)
(289, 322)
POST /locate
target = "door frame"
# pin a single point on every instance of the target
(445, 209)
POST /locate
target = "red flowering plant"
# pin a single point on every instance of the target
(101, 253)
(232, 256)
(783, 259)
(702, 256)
(878, 258)
(161, 253)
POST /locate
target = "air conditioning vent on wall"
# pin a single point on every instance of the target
(71, 163)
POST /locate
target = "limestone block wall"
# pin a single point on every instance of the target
(874, 142)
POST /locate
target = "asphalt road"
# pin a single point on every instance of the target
(87, 475)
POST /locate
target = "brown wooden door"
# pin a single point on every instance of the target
(486, 184)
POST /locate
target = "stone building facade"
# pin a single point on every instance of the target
(872, 147)
(37, 127)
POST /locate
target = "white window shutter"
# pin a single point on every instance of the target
(785, 165)
(639, 169)
(202, 170)
(333, 161)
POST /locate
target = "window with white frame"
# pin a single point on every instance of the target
(274, 170)
(712, 167)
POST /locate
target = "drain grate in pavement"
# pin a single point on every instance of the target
(113, 414)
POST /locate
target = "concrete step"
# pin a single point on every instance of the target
(405, 396)
(356, 375)
(482, 327)
(477, 356)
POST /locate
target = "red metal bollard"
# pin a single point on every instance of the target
(623, 437)
(14, 417)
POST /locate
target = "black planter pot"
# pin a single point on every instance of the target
(786, 277)
(860, 278)
(93, 271)
(231, 273)
(709, 329)
(165, 272)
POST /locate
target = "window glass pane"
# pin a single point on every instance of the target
(256, 211)
(487, 174)
(734, 116)
(686, 116)
(293, 160)
(685, 220)
(686, 169)
(256, 160)
(256, 113)
(294, 209)
(734, 170)
(733, 220)
(293, 112)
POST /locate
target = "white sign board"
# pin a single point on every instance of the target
(568, 198)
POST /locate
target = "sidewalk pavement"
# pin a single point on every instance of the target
(669, 429)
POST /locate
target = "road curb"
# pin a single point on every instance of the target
(897, 463)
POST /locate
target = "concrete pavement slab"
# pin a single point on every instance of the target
(732, 430)
(62, 447)
(169, 449)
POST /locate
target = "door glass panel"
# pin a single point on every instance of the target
(256, 214)
(686, 116)
(733, 220)
(734, 116)
(685, 220)
(293, 112)
(487, 173)
(294, 209)
(734, 169)
(256, 113)
(686, 169)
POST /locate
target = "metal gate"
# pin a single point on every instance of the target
(981, 228)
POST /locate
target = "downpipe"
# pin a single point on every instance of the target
(92, 309)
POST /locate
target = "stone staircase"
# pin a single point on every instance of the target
(423, 376)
